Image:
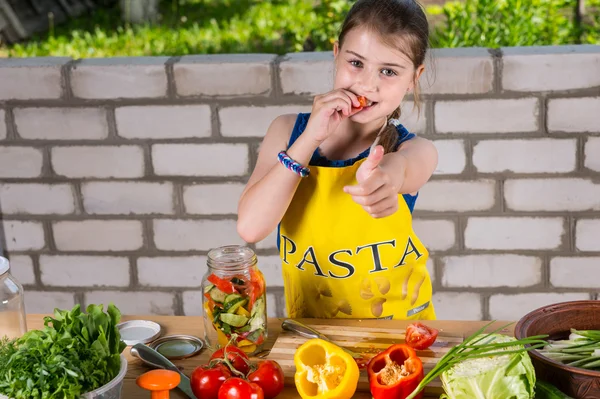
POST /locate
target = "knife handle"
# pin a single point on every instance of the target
(302, 329)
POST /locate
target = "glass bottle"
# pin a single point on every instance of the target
(235, 301)
(12, 304)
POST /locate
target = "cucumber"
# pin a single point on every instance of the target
(255, 335)
(544, 390)
(231, 307)
(208, 288)
(257, 322)
(246, 328)
(217, 295)
(259, 306)
(233, 320)
(231, 298)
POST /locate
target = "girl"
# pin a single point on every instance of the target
(342, 181)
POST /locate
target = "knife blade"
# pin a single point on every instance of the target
(156, 360)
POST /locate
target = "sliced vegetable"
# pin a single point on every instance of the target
(489, 347)
(582, 349)
(233, 319)
(324, 370)
(544, 390)
(395, 373)
(419, 336)
(222, 284)
(217, 295)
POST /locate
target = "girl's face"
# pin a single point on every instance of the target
(368, 67)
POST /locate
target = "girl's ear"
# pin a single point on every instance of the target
(418, 74)
(336, 49)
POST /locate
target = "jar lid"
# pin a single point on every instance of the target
(176, 347)
(4, 265)
(139, 331)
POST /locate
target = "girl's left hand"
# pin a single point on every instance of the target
(376, 191)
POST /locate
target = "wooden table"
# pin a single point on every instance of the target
(191, 325)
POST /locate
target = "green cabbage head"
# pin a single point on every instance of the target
(508, 376)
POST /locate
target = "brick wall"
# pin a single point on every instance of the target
(117, 176)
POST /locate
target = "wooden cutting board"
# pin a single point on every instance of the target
(367, 340)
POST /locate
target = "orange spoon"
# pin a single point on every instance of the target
(159, 382)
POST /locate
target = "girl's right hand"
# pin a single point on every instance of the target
(328, 111)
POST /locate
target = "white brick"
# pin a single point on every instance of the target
(459, 71)
(436, 235)
(525, 156)
(98, 235)
(413, 118)
(98, 161)
(27, 198)
(307, 73)
(43, 302)
(457, 195)
(224, 75)
(272, 310)
(194, 235)
(270, 242)
(61, 123)
(592, 153)
(172, 271)
(544, 68)
(574, 115)
(21, 267)
(513, 307)
(270, 266)
(215, 199)
(84, 271)
(135, 303)
(563, 194)
(127, 198)
(487, 116)
(163, 122)
(200, 159)
(31, 78)
(457, 306)
(575, 272)
(253, 121)
(3, 132)
(126, 77)
(491, 271)
(452, 158)
(20, 162)
(587, 235)
(192, 303)
(431, 270)
(514, 233)
(23, 236)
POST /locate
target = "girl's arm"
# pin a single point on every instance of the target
(271, 186)
(412, 165)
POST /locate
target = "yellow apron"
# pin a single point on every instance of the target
(338, 261)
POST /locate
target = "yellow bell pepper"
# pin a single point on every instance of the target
(325, 371)
(242, 312)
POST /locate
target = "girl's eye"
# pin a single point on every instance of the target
(388, 72)
(356, 63)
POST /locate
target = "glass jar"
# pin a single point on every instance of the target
(12, 304)
(235, 300)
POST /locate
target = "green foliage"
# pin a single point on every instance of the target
(199, 27)
(504, 23)
(75, 353)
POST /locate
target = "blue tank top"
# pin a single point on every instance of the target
(319, 160)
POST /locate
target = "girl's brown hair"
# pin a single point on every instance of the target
(402, 24)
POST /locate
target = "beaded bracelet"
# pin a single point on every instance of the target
(292, 165)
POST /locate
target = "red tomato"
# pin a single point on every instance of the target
(269, 376)
(236, 356)
(237, 388)
(419, 336)
(206, 381)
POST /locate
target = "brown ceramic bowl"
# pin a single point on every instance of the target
(556, 321)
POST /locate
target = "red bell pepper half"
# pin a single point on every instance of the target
(395, 373)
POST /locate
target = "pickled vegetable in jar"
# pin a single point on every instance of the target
(234, 301)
